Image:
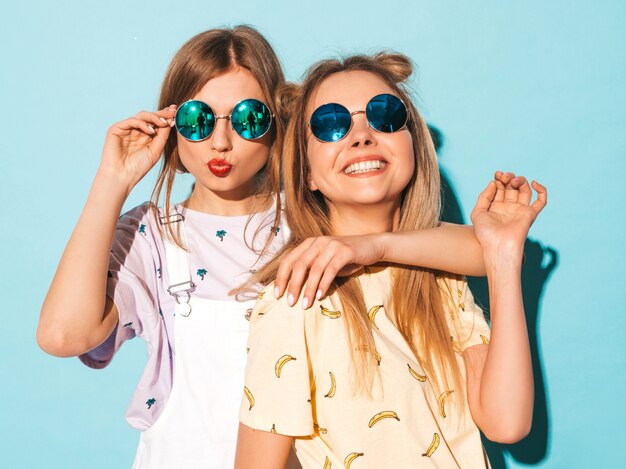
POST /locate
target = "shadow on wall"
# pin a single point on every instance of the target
(540, 263)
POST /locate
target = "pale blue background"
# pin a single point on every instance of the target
(535, 87)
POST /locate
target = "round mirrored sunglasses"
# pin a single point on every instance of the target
(384, 112)
(250, 118)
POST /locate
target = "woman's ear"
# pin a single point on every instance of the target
(312, 185)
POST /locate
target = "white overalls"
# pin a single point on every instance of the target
(198, 427)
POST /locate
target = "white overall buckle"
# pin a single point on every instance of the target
(182, 294)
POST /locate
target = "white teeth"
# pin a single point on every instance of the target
(364, 167)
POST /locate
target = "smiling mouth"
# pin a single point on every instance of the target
(363, 167)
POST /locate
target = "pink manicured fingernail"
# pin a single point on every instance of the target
(318, 294)
(305, 303)
(277, 292)
(162, 120)
(151, 129)
(172, 123)
(290, 299)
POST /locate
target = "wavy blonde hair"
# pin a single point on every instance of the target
(206, 56)
(416, 302)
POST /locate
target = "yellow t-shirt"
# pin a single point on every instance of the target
(299, 383)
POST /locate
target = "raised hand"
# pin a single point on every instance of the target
(133, 146)
(504, 213)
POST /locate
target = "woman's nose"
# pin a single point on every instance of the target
(221, 140)
(361, 134)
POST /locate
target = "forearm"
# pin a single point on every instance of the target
(449, 247)
(503, 385)
(261, 450)
(75, 304)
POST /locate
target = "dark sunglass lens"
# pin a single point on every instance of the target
(195, 120)
(386, 113)
(330, 122)
(251, 119)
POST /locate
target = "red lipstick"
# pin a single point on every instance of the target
(219, 167)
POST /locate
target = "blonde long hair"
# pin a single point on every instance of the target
(206, 56)
(416, 299)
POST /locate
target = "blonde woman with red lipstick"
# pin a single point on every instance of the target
(166, 273)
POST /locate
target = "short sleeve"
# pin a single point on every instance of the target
(278, 380)
(466, 320)
(131, 283)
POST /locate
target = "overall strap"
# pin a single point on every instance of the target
(180, 284)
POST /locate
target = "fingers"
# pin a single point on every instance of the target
(160, 139)
(511, 191)
(285, 267)
(500, 190)
(485, 198)
(135, 123)
(504, 178)
(162, 118)
(162, 121)
(507, 190)
(324, 268)
(525, 193)
(148, 122)
(310, 269)
(542, 197)
(168, 112)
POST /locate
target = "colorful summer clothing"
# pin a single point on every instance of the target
(300, 375)
(186, 401)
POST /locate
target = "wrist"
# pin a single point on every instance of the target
(505, 254)
(112, 182)
(384, 243)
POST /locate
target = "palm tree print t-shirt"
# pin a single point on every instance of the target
(220, 259)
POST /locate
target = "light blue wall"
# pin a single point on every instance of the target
(534, 87)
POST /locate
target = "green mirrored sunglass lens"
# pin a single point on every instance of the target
(251, 119)
(195, 120)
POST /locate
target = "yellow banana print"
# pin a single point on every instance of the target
(484, 339)
(250, 397)
(281, 362)
(387, 414)
(442, 402)
(327, 463)
(330, 314)
(433, 446)
(333, 385)
(377, 356)
(273, 430)
(416, 375)
(374, 352)
(351, 457)
(261, 295)
(461, 303)
(372, 313)
(319, 429)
